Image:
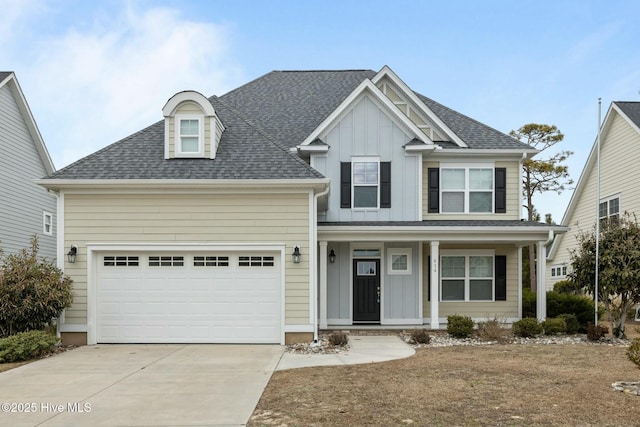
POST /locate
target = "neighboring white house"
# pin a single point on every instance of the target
(298, 201)
(26, 209)
(619, 190)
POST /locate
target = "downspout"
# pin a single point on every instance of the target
(314, 269)
(59, 248)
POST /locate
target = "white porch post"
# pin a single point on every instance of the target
(323, 284)
(541, 265)
(434, 281)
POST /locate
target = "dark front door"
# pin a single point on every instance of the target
(366, 290)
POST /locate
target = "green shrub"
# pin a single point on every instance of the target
(338, 339)
(26, 345)
(571, 321)
(567, 287)
(527, 327)
(633, 352)
(32, 291)
(420, 336)
(596, 332)
(554, 325)
(492, 330)
(582, 306)
(459, 326)
(528, 303)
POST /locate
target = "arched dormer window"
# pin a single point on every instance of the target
(192, 129)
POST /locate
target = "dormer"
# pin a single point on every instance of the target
(191, 127)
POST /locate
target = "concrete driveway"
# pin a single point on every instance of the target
(139, 385)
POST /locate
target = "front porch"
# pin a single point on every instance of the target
(409, 275)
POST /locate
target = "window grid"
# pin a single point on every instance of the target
(467, 277)
(211, 261)
(166, 261)
(47, 223)
(467, 189)
(121, 261)
(365, 178)
(256, 261)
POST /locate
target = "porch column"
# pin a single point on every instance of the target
(323, 284)
(434, 284)
(541, 266)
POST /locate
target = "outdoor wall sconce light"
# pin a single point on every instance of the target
(71, 255)
(296, 254)
(332, 256)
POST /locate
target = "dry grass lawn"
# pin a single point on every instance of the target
(498, 385)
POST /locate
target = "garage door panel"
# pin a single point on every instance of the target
(187, 303)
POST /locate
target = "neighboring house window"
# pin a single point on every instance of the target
(559, 271)
(47, 223)
(365, 183)
(467, 190)
(610, 209)
(399, 261)
(467, 276)
(189, 136)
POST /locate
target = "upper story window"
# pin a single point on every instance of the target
(610, 209)
(189, 136)
(366, 183)
(47, 223)
(467, 189)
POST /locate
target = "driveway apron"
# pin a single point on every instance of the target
(139, 385)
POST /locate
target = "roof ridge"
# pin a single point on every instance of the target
(351, 70)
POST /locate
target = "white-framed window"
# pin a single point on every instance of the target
(166, 261)
(121, 261)
(609, 208)
(256, 261)
(189, 137)
(47, 223)
(559, 271)
(467, 188)
(467, 275)
(399, 260)
(365, 182)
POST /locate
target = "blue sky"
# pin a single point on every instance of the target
(95, 72)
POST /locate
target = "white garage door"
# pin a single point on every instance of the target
(213, 297)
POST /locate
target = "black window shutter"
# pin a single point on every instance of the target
(434, 190)
(345, 184)
(385, 184)
(501, 190)
(501, 277)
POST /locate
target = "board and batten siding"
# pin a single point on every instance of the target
(619, 175)
(366, 130)
(514, 200)
(481, 310)
(22, 201)
(190, 218)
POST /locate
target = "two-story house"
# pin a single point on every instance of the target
(26, 209)
(301, 200)
(619, 193)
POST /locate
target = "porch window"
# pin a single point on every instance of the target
(467, 189)
(467, 276)
(399, 261)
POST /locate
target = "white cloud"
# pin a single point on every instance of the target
(107, 80)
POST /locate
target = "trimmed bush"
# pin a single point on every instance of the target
(459, 326)
(527, 327)
(528, 303)
(338, 339)
(32, 291)
(571, 321)
(492, 330)
(633, 352)
(567, 287)
(596, 332)
(582, 306)
(420, 336)
(554, 325)
(26, 345)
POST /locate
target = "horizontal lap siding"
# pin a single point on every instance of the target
(216, 218)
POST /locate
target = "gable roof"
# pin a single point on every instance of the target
(265, 119)
(630, 112)
(8, 78)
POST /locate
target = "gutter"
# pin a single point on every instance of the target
(314, 269)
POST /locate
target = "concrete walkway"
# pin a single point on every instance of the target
(364, 349)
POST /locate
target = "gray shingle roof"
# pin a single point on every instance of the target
(263, 119)
(631, 109)
(442, 223)
(4, 74)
